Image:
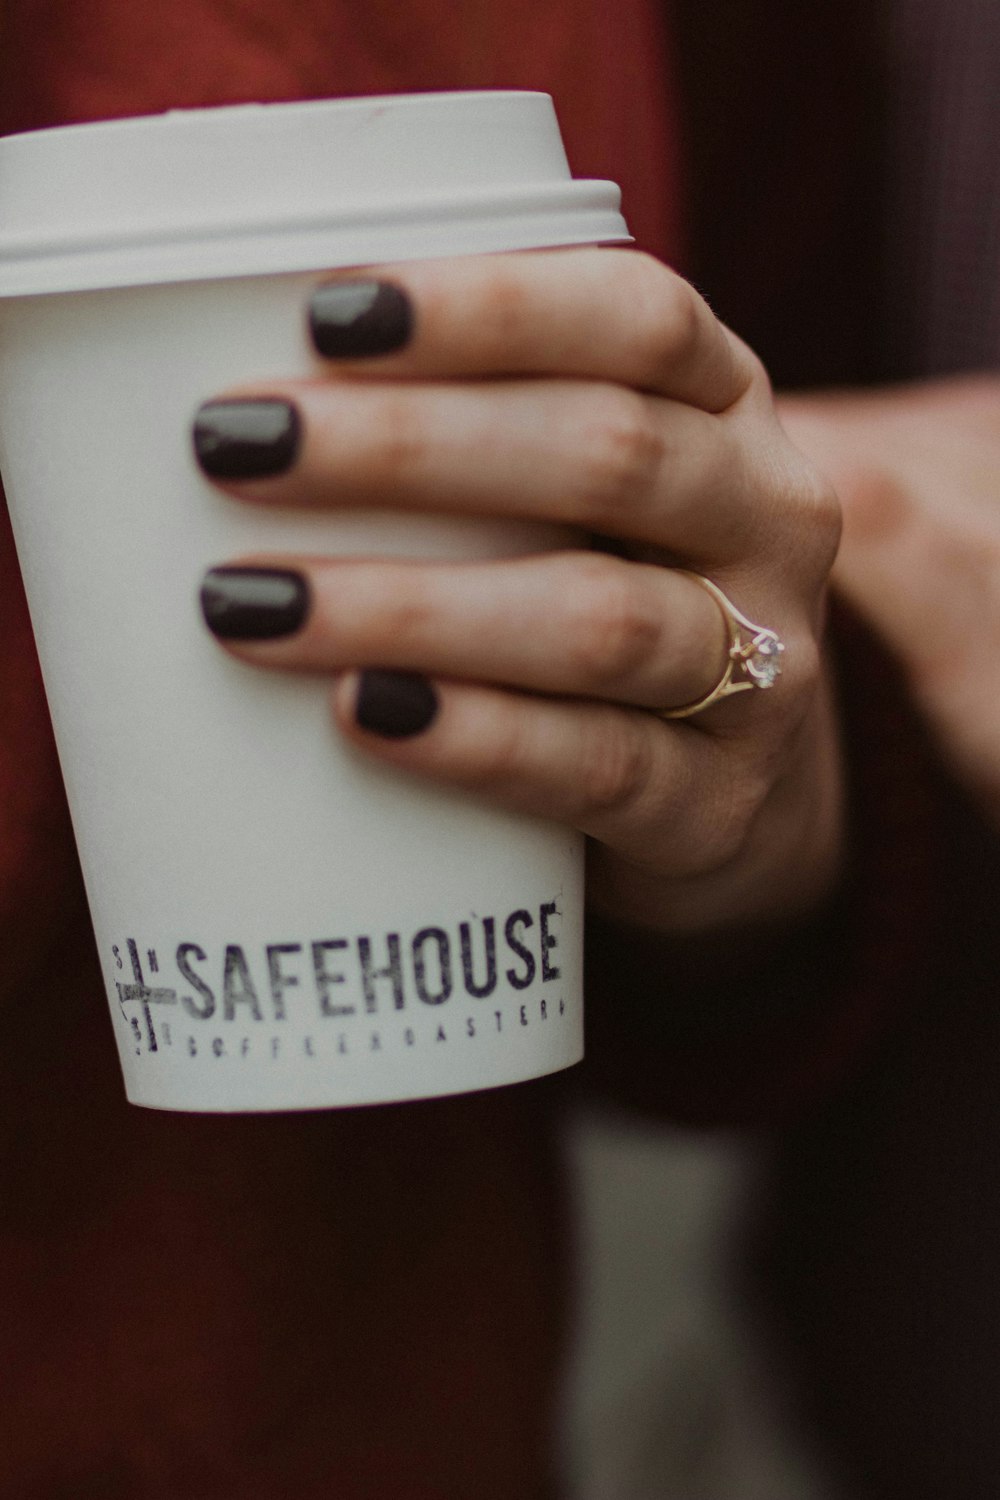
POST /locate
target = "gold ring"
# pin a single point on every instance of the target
(753, 655)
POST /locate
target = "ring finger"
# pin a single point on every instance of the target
(574, 624)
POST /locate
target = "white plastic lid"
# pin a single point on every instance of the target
(256, 189)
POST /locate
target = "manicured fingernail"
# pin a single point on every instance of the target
(395, 705)
(355, 319)
(254, 604)
(246, 439)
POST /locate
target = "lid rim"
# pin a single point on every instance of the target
(455, 205)
(326, 249)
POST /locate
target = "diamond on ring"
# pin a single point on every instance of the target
(757, 660)
(761, 658)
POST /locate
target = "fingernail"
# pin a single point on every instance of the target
(246, 439)
(395, 705)
(254, 604)
(354, 319)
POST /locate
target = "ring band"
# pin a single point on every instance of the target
(752, 651)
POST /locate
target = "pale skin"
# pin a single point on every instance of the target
(918, 471)
(594, 388)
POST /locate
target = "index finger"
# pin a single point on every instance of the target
(599, 314)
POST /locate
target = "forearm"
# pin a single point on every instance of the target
(918, 471)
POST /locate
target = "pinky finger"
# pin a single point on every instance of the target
(618, 774)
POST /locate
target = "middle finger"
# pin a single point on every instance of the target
(591, 455)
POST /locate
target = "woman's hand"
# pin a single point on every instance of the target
(918, 469)
(593, 388)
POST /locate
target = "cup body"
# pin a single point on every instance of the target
(280, 923)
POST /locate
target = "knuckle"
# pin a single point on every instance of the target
(810, 690)
(504, 309)
(803, 513)
(614, 769)
(748, 796)
(756, 382)
(680, 321)
(729, 818)
(403, 609)
(494, 757)
(804, 675)
(498, 306)
(758, 376)
(397, 441)
(672, 313)
(621, 453)
(826, 516)
(817, 515)
(804, 490)
(612, 631)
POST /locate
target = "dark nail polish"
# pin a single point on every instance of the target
(246, 439)
(395, 705)
(254, 604)
(355, 319)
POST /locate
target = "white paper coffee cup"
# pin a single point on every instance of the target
(281, 924)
